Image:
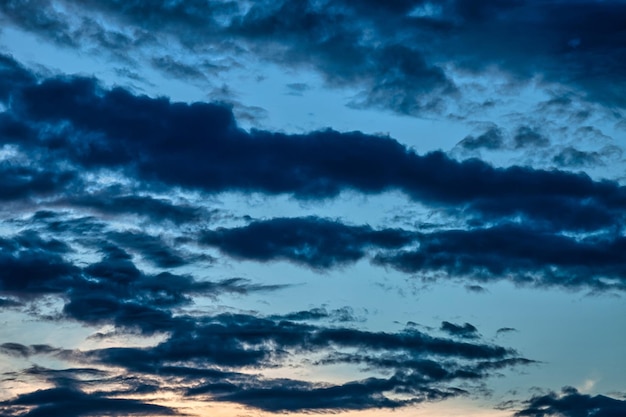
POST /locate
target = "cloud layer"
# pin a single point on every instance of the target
(541, 227)
(404, 56)
(109, 221)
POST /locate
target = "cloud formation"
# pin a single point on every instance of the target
(313, 241)
(202, 356)
(205, 356)
(403, 56)
(530, 226)
(71, 402)
(106, 217)
(200, 146)
(571, 403)
(522, 254)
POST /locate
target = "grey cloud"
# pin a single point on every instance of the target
(492, 139)
(527, 137)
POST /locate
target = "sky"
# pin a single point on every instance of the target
(295, 207)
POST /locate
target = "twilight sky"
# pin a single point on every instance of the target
(363, 208)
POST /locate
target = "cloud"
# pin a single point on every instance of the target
(14, 76)
(72, 402)
(538, 227)
(55, 22)
(30, 16)
(202, 357)
(152, 248)
(492, 139)
(527, 137)
(20, 182)
(312, 241)
(199, 146)
(345, 314)
(65, 139)
(31, 267)
(504, 330)
(7, 302)
(570, 403)
(518, 253)
(572, 157)
(476, 288)
(131, 315)
(423, 367)
(112, 290)
(178, 70)
(19, 350)
(288, 396)
(117, 292)
(297, 89)
(466, 331)
(400, 57)
(156, 209)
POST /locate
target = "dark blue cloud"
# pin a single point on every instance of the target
(572, 157)
(466, 330)
(74, 122)
(152, 248)
(288, 396)
(312, 241)
(396, 54)
(518, 214)
(345, 314)
(423, 367)
(519, 253)
(539, 227)
(504, 330)
(110, 290)
(14, 76)
(156, 209)
(21, 182)
(571, 403)
(492, 139)
(19, 350)
(203, 356)
(115, 291)
(180, 70)
(7, 302)
(200, 146)
(72, 402)
(528, 137)
(31, 267)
